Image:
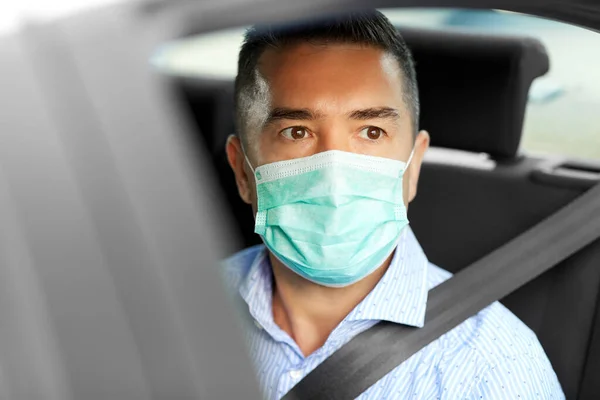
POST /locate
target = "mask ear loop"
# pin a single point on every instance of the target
(412, 153)
(248, 162)
(260, 220)
(400, 211)
(246, 157)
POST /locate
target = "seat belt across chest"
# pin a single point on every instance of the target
(372, 354)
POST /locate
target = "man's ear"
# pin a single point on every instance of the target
(414, 170)
(237, 161)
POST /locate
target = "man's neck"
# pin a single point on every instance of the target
(309, 312)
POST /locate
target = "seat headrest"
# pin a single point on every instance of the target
(474, 87)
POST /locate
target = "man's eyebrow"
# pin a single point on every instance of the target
(375, 113)
(298, 114)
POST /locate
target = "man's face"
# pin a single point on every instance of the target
(331, 97)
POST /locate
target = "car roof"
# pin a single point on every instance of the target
(206, 16)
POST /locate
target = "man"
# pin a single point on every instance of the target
(328, 155)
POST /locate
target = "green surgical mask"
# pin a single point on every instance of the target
(333, 217)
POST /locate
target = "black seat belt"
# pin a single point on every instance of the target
(374, 353)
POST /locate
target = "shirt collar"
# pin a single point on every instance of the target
(399, 297)
(257, 288)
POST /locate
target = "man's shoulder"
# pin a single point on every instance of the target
(507, 351)
(236, 267)
(516, 362)
(495, 324)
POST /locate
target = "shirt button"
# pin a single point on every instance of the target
(296, 374)
(258, 325)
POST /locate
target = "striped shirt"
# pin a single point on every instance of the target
(492, 355)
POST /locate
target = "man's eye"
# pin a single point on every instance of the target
(295, 133)
(372, 133)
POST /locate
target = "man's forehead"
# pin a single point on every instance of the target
(352, 75)
(275, 59)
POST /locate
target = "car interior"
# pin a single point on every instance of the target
(477, 190)
(113, 222)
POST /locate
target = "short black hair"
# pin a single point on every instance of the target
(370, 28)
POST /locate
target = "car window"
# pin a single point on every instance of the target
(562, 114)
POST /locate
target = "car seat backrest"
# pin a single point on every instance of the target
(463, 212)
